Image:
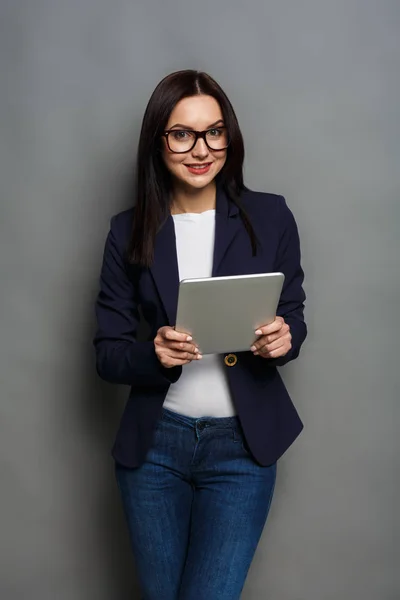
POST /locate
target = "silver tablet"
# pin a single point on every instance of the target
(222, 313)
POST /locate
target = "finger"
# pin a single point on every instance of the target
(259, 343)
(276, 325)
(182, 346)
(265, 351)
(182, 355)
(285, 330)
(276, 343)
(174, 362)
(282, 341)
(269, 339)
(282, 351)
(172, 334)
(279, 348)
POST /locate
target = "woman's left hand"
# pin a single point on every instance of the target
(275, 340)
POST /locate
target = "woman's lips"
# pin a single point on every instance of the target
(198, 169)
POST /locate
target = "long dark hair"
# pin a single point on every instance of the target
(153, 180)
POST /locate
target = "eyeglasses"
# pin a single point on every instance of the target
(180, 141)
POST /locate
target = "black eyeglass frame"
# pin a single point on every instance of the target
(198, 134)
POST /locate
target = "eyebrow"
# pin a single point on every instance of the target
(187, 128)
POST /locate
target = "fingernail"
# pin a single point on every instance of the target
(253, 348)
(196, 350)
(258, 332)
(199, 357)
(189, 338)
(256, 353)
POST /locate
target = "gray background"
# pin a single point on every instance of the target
(316, 88)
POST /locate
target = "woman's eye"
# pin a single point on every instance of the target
(214, 132)
(181, 135)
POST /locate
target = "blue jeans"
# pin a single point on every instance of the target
(195, 509)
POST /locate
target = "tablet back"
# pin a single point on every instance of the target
(222, 313)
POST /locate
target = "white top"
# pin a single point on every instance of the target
(202, 389)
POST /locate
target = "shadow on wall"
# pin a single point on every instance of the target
(100, 415)
(99, 412)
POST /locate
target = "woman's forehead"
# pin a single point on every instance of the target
(197, 112)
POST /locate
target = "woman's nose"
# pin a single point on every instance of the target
(200, 149)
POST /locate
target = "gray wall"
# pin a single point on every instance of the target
(316, 88)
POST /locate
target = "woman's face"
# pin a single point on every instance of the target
(198, 167)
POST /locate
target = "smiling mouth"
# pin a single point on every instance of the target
(198, 166)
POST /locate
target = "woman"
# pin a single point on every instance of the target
(196, 451)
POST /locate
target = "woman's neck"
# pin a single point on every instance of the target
(192, 200)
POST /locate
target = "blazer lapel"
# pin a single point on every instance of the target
(227, 226)
(165, 269)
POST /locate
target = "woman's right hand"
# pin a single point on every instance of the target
(174, 348)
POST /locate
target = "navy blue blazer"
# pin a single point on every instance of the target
(269, 420)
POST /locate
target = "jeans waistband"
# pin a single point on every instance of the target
(193, 422)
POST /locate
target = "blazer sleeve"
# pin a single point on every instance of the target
(291, 303)
(120, 358)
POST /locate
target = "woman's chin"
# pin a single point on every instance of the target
(197, 182)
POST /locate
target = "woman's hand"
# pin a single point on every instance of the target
(275, 340)
(174, 348)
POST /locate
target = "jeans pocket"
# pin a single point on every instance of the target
(240, 440)
(245, 447)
